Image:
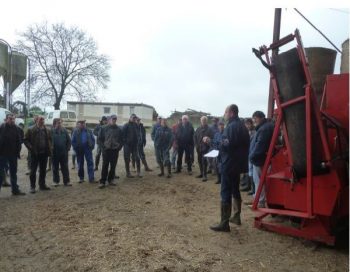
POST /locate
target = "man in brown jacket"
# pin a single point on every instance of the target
(38, 142)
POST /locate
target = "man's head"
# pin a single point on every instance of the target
(40, 121)
(10, 119)
(185, 119)
(216, 121)
(133, 118)
(159, 119)
(221, 125)
(258, 117)
(57, 123)
(231, 111)
(179, 121)
(138, 120)
(81, 124)
(204, 120)
(104, 120)
(249, 123)
(163, 122)
(113, 119)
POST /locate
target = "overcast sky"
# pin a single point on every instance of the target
(181, 55)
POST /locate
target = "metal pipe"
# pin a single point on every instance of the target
(9, 70)
(275, 38)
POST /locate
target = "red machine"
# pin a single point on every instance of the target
(305, 176)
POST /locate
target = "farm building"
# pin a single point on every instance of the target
(92, 111)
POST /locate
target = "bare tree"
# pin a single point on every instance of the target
(64, 63)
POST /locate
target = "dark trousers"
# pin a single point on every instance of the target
(218, 169)
(41, 161)
(202, 162)
(98, 156)
(188, 150)
(131, 151)
(60, 160)
(163, 156)
(109, 160)
(87, 154)
(28, 160)
(141, 152)
(229, 183)
(11, 162)
(74, 158)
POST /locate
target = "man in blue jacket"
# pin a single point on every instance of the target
(83, 142)
(258, 149)
(163, 141)
(234, 158)
(216, 145)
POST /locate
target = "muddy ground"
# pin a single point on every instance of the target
(148, 224)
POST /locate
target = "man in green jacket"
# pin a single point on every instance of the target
(38, 142)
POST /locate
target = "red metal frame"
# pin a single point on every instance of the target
(312, 226)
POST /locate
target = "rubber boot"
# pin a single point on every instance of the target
(236, 218)
(127, 169)
(252, 185)
(200, 171)
(5, 183)
(147, 169)
(169, 171)
(161, 166)
(205, 173)
(225, 216)
(245, 183)
(218, 181)
(138, 170)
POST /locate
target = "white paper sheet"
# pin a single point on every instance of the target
(212, 154)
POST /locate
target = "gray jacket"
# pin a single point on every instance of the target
(110, 137)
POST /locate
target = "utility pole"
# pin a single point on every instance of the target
(275, 38)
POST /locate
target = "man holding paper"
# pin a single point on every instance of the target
(234, 156)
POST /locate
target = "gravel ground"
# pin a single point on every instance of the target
(142, 224)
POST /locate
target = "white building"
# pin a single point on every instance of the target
(93, 111)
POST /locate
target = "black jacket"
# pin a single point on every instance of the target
(200, 133)
(130, 134)
(184, 135)
(141, 134)
(235, 146)
(260, 143)
(11, 138)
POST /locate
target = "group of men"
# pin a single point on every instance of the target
(242, 149)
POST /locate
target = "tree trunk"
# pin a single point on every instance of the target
(57, 105)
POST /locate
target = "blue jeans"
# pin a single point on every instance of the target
(163, 156)
(230, 178)
(256, 178)
(87, 154)
(173, 157)
(11, 162)
(250, 169)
